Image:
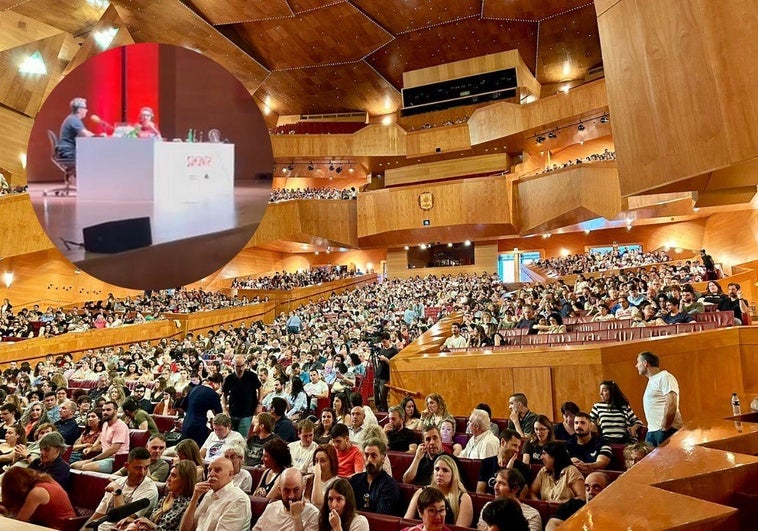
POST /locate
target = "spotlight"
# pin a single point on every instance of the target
(604, 119)
(310, 166)
(551, 135)
(290, 167)
(540, 139)
(331, 167)
(581, 126)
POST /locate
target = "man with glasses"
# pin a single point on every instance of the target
(72, 127)
(139, 396)
(240, 395)
(594, 484)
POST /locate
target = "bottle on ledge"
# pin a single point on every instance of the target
(189, 135)
(736, 409)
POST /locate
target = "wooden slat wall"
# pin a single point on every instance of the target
(447, 139)
(480, 200)
(20, 231)
(566, 197)
(308, 219)
(698, 87)
(446, 169)
(76, 343)
(14, 144)
(485, 261)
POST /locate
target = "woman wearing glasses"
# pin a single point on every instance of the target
(542, 434)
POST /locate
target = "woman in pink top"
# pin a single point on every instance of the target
(30, 496)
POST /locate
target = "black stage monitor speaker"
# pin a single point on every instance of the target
(118, 236)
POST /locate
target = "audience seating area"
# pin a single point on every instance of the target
(319, 128)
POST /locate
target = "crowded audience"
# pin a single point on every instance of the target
(606, 155)
(288, 194)
(300, 279)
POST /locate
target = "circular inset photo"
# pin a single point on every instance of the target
(149, 166)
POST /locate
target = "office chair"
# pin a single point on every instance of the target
(67, 166)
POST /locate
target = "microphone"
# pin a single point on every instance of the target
(95, 118)
(119, 513)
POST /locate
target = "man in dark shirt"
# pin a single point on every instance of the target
(528, 319)
(66, 425)
(139, 396)
(50, 460)
(240, 395)
(200, 400)
(588, 453)
(382, 371)
(734, 302)
(283, 426)
(71, 128)
(521, 419)
(375, 490)
(401, 439)
(263, 432)
(674, 315)
(421, 468)
(100, 389)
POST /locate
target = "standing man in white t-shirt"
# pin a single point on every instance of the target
(660, 401)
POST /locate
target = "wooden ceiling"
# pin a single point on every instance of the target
(324, 56)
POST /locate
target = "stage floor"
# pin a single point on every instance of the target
(64, 218)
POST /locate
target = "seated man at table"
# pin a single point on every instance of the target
(71, 128)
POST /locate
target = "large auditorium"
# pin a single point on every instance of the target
(436, 212)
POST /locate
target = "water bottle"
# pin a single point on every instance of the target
(736, 409)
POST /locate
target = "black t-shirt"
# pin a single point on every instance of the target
(254, 450)
(382, 367)
(727, 304)
(242, 393)
(400, 440)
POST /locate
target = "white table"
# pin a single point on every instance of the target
(141, 169)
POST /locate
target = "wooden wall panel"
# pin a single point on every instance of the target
(504, 119)
(749, 356)
(13, 145)
(308, 221)
(566, 197)
(485, 261)
(705, 108)
(251, 261)
(742, 243)
(34, 349)
(20, 231)
(17, 30)
(482, 200)
(446, 169)
(47, 278)
(445, 139)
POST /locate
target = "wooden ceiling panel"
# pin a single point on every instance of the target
(529, 9)
(73, 16)
(171, 22)
(329, 89)
(16, 30)
(231, 11)
(399, 16)
(569, 46)
(336, 34)
(454, 42)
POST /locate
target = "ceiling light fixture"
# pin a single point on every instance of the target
(581, 126)
(605, 119)
(552, 134)
(310, 166)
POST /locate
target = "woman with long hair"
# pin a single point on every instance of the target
(412, 414)
(542, 434)
(324, 472)
(132, 372)
(565, 429)
(341, 406)
(436, 410)
(324, 426)
(338, 510)
(558, 480)
(14, 435)
(168, 512)
(298, 400)
(614, 416)
(447, 478)
(34, 415)
(167, 404)
(89, 435)
(276, 457)
(31, 496)
(190, 451)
